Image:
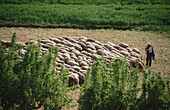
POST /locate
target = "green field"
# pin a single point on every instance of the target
(89, 15)
(82, 2)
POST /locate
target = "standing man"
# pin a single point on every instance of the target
(150, 53)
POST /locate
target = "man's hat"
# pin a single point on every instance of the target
(149, 43)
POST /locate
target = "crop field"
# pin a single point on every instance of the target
(123, 17)
(88, 2)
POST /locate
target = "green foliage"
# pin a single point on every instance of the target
(114, 86)
(31, 81)
(140, 17)
(155, 93)
(82, 2)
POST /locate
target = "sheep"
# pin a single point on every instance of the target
(82, 37)
(123, 45)
(73, 79)
(86, 53)
(60, 57)
(51, 44)
(44, 49)
(23, 52)
(83, 40)
(90, 40)
(83, 63)
(91, 46)
(56, 40)
(124, 53)
(111, 44)
(80, 58)
(129, 49)
(83, 71)
(78, 47)
(45, 45)
(82, 44)
(77, 68)
(136, 50)
(108, 46)
(71, 40)
(96, 56)
(100, 51)
(90, 50)
(133, 63)
(97, 42)
(32, 42)
(78, 53)
(117, 53)
(134, 54)
(45, 41)
(66, 55)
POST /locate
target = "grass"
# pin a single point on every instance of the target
(126, 17)
(82, 2)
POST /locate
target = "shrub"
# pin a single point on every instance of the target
(155, 92)
(31, 81)
(115, 86)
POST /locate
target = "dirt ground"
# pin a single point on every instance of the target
(135, 39)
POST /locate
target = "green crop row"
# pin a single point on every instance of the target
(96, 2)
(141, 17)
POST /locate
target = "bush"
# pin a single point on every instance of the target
(31, 81)
(155, 93)
(115, 86)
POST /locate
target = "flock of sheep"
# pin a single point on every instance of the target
(78, 54)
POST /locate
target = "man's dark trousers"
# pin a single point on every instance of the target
(149, 59)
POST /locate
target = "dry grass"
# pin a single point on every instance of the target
(75, 94)
(136, 39)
